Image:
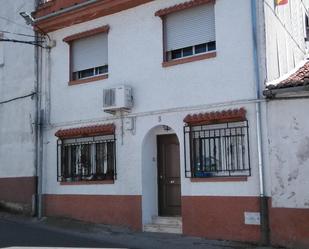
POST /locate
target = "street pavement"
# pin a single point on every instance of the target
(13, 234)
(22, 231)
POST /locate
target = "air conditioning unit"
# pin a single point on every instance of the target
(118, 98)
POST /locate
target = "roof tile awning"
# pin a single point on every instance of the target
(181, 6)
(235, 115)
(88, 131)
(299, 78)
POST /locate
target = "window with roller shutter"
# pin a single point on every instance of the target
(188, 31)
(88, 55)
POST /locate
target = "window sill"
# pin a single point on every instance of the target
(189, 59)
(87, 182)
(221, 179)
(88, 80)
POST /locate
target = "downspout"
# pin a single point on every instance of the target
(38, 127)
(263, 198)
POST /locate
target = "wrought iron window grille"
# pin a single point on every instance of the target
(86, 159)
(217, 150)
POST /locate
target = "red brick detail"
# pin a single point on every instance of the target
(103, 29)
(216, 117)
(18, 189)
(88, 131)
(219, 217)
(189, 59)
(289, 227)
(182, 6)
(83, 14)
(88, 80)
(106, 209)
(299, 78)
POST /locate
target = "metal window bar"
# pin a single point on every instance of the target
(217, 150)
(90, 160)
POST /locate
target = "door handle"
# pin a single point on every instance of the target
(172, 181)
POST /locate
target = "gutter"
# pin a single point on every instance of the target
(298, 91)
(263, 198)
(62, 11)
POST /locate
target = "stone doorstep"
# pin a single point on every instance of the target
(167, 220)
(164, 225)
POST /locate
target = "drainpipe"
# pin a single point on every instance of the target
(38, 127)
(263, 198)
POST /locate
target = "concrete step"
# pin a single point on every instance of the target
(162, 220)
(162, 228)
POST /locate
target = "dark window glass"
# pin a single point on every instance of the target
(211, 46)
(188, 51)
(110, 159)
(76, 162)
(86, 73)
(85, 159)
(201, 48)
(176, 54)
(102, 70)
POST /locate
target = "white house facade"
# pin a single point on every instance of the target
(154, 117)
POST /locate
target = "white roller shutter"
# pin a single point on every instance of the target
(89, 52)
(190, 27)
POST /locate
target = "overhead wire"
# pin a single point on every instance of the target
(284, 26)
(17, 98)
(20, 41)
(13, 33)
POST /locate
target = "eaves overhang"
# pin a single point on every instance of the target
(295, 84)
(58, 14)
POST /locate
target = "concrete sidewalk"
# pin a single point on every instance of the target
(124, 237)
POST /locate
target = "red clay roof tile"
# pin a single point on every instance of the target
(181, 6)
(95, 130)
(216, 117)
(299, 78)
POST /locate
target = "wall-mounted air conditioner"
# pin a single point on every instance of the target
(117, 98)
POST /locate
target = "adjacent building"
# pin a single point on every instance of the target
(17, 107)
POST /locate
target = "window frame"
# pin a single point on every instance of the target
(218, 128)
(69, 40)
(162, 13)
(92, 141)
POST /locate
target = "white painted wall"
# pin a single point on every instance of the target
(289, 152)
(135, 57)
(285, 121)
(16, 79)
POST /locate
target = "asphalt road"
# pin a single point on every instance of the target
(22, 235)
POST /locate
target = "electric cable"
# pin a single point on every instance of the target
(17, 98)
(284, 26)
(20, 34)
(24, 42)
